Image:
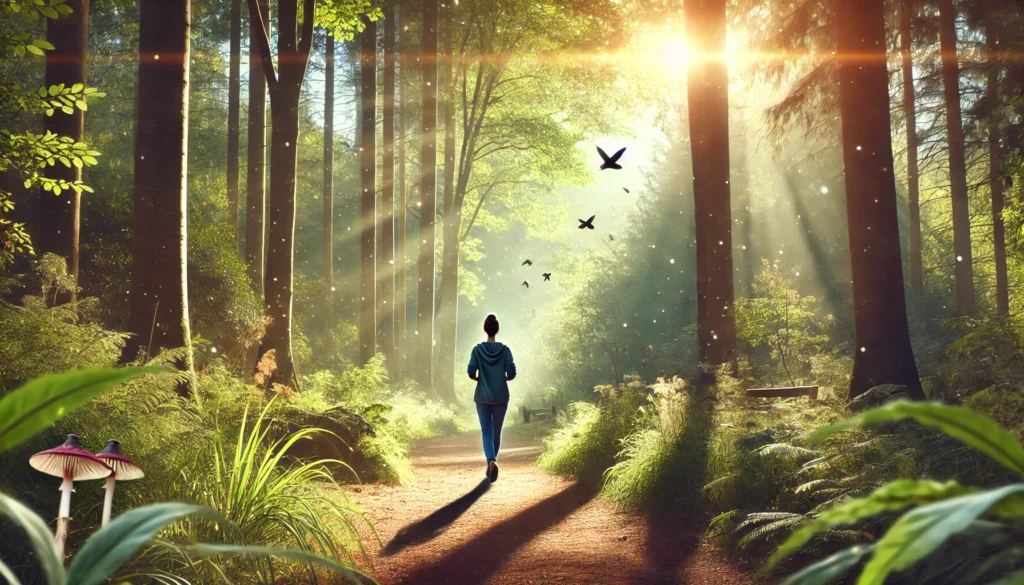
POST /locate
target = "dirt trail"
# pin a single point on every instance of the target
(531, 527)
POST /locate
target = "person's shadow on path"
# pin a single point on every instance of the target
(433, 525)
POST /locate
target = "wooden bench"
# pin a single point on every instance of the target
(811, 392)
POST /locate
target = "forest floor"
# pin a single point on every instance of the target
(530, 527)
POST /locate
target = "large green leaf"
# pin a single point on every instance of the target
(39, 537)
(109, 548)
(43, 401)
(8, 574)
(893, 496)
(963, 424)
(919, 532)
(831, 568)
(208, 550)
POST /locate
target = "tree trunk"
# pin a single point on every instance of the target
(158, 314)
(234, 91)
(963, 267)
(66, 63)
(367, 181)
(387, 200)
(448, 313)
(708, 99)
(285, 91)
(995, 168)
(428, 191)
(405, 70)
(327, 251)
(255, 176)
(883, 354)
(910, 112)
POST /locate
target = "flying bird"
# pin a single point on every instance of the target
(547, 276)
(611, 238)
(611, 162)
(589, 224)
(625, 189)
(526, 283)
(527, 263)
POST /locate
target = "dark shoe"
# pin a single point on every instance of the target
(489, 472)
(493, 475)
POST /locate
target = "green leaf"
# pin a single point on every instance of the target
(893, 496)
(78, 87)
(922, 530)
(972, 428)
(43, 44)
(88, 160)
(28, 183)
(207, 550)
(77, 162)
(42, 92)
(108, 549)
(65, 161)
(82, 105)
(34, 50)
(67, 109)
(831, 568)
(38, 404)
(8, 574)
(54, 90)
(39, 536)
(57, 190)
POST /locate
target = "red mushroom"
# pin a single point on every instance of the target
(70, 462)
(124, 469)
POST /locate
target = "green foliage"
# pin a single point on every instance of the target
(936, 512)
(588, 438)
(36, 405)
(779, 318)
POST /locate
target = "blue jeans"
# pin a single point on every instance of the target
(491, 418)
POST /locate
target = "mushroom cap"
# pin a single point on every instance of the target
(70, 460)
(124, 468)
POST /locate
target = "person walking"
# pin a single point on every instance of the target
(491, 366)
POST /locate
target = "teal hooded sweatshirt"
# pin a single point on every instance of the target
(494, 362)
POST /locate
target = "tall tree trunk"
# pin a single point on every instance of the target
(66, 63)
(327, 252)
(387, 200)
(234, 97)
(883, 354)
(368, 185)
(405, 69)
(963, 262)
(708, 103)
(285, 90)
(428, 193)
(448, 291)
(255, 176)
(910, 112)
(158, 314)
(995, 162)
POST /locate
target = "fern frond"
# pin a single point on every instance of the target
(786, 451)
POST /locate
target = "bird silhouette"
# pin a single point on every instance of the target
(547, 276)
(1008, 182)
(610, 162)
(625, 189)
(526, 283)
(611, 238)
(527, 263)
(589, 224)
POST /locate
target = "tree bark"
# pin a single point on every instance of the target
(387, 200)
(285, 90)
(368, 185)
(708, 103)
(327, 251)
(59, 214)
(234, 98)
(995, 168)
(883, 354)
(255, 177)
(910, 113)
(405, 70)
(428, 192)
(158, 314)
(448, 313)
(962, 261)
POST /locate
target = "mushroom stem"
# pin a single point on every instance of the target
(64, 515)
(108, 500)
